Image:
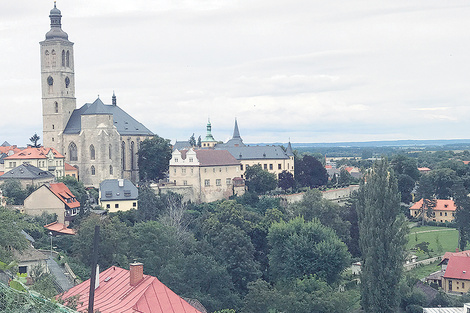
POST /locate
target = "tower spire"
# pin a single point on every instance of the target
(236, 132)
(56, 31)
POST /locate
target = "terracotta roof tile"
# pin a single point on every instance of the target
(116, 295)
(441, 205)
(59, 228)
(64, 194)
(34, 153)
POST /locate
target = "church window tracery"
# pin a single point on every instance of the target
(132, 156)
(110, 152)
(123, 155)
(73, 155)
(110, 170)
(67, 59)
(56, 107)
(63, 57)
(93, 171)
(92, 152)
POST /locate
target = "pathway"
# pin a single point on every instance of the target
(62, 279)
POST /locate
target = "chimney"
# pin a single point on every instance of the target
(97, 280)
(136, 271)
(121, 182)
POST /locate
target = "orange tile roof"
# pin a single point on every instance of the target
(441, 205)
(69, 167)
(424, 169)
(466, 162)
(64, 194)
(458, 267)
(6, 149)
(34, 153)
(447, 255)
(116, 295)
(59, 228)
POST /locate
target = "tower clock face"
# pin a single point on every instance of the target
(50, 80)
(67, 82)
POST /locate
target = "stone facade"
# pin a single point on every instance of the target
(100, 140)
(209, 172)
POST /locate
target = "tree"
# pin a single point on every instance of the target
(199, 141)
(14, 192)
(345, 177)
(382, 239)
(286, 180)
(426, 192)
(192, 140)
(301, 248)
(406, 184)
(34, 139)
(327, 212)
(259, 180)
(309, 172)
(11, 238)
(443, 181)
(150, 205)
(153, 157)
(462, 215)
(406, 165)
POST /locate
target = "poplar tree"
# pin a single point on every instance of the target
(382, 240)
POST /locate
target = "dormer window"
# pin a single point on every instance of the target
(190, 159)
(176, 159)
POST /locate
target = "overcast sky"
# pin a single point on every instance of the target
(311, 71)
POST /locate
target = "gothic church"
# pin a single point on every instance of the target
(100, 140)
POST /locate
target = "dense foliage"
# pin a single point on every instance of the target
(153, 158)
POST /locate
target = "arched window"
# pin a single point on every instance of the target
(73, 155)
(53, 63)
(110, 152)
(93, 172)
(67, 59)
(63, 58)
(110, 170)
(123, 155)
(56, 107)
(92, 152)
(132, 155)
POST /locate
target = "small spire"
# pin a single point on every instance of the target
(55, 7)
(114, 99)
(236, 132)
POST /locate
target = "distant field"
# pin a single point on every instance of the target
(441, 240)
(423, 271)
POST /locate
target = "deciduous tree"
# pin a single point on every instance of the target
(309, 172)
(382, 239)
(153, 157)
(259, 180)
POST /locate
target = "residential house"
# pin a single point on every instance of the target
(56, 228)
(28, 175)
(118, 290)
(456, 278)
(424, 170)
(208, 173)
(437, 277)
(71, 170)
(118, 195)
(46, 159)
(465, 309)
(444, 211)
(29, 259)
(53, 199)
(6, 150)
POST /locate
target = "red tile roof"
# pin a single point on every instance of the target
(34, 153)
(210, 157)
(458, 267)
(441, 205)
(466, 162)
(59, 228)
(64, 194)
(447, 255)
(424, 169)
(116, 295)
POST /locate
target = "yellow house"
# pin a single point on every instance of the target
(456, 278)
(444, 211)
(209, 173)
(118, 195)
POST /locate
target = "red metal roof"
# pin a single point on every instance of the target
(441, 205)
(64, 194)
(458, 267)
(59, 228)
(116, 295)
(34, 153)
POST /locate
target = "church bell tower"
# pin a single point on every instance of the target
(57, 82)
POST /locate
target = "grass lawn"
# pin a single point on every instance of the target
(423, 271)
(441, 240)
